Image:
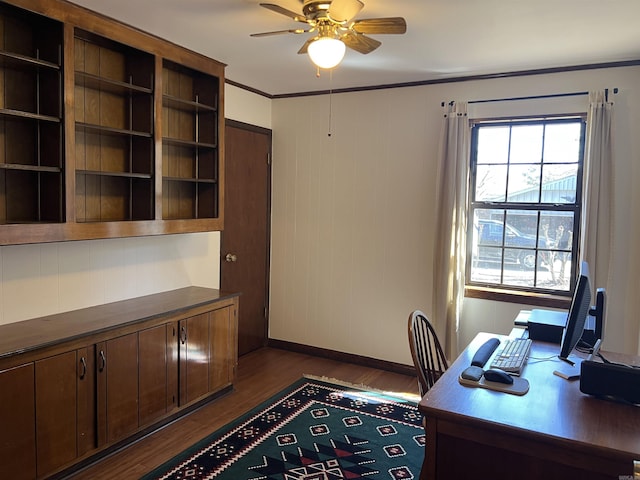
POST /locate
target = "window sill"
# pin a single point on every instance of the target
(525, 298)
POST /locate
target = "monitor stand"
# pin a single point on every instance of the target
(573, 372)
(570, 371)
(566, 359)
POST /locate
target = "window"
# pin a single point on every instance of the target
(525, 204)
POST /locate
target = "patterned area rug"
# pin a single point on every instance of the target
(313, 430)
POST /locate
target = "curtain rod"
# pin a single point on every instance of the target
(535, 97)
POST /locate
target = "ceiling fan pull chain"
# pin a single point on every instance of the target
(330, 98)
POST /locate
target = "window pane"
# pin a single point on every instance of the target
(562, 142)
(526, 144)
(493, 145)
(559, 183)
(491, 183)
(557, 228)
(524, 183)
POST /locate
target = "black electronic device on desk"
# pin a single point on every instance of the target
(610, 380)
(546, 325)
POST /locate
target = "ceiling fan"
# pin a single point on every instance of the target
(335, 28)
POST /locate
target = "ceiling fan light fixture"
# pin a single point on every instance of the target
(326, 52)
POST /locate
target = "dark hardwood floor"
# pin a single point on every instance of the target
(261, 374)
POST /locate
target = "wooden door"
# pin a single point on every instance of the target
(17, 423)
(86, 423)
(246, 235)
(222, 351)
(56, 404)
(152, 374)
(120, 364)
(65, 395)
(194, 358)
(173, 352)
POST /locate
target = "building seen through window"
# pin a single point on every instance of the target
(525, 204)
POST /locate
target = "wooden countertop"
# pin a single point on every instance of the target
(36, 333)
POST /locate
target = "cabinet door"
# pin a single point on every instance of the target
(222, 349)
(17, 423)
(86, 413)
(172, 365)
(118, 388)
(65, 408)
(55, 381)
(194, 357)
(155, 369)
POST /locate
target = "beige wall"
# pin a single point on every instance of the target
(49, 278)
(352, 212)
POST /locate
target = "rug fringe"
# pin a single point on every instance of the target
(411, 397)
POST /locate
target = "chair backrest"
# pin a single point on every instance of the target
(427, 353)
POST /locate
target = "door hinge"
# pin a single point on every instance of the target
(268, 159)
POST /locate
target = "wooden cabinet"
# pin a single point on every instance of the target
(76, 383)
(118, 387)
(105, 131)
(157, 372)
(17, 418)
(91, 397)
(207, 352)
(86, 413)
(190, 143)
(56, 404)
(194, 358)
(223, 347)
(31, 133)
(65, 415)
(114, 148)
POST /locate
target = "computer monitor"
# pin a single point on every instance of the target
(580, 304)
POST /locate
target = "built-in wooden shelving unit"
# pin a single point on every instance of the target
(105, 131)
(31, 133)
(190, 143)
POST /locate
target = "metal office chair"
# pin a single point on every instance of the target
(427, 353)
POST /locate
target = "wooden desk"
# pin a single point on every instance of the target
(554, 432)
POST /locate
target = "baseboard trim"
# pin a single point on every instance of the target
(343, 357)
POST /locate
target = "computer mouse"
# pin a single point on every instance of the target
(497, 375)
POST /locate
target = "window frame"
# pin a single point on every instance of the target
(525, 294)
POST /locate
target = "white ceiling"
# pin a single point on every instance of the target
(444, 39)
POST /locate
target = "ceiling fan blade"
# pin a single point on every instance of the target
(283, 11)
(304, 47)
(380, 25)
(360, 43)
(344, 10)
(278, 32)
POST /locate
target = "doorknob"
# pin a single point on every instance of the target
(230, 257)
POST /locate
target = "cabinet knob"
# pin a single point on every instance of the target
(230, 257)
